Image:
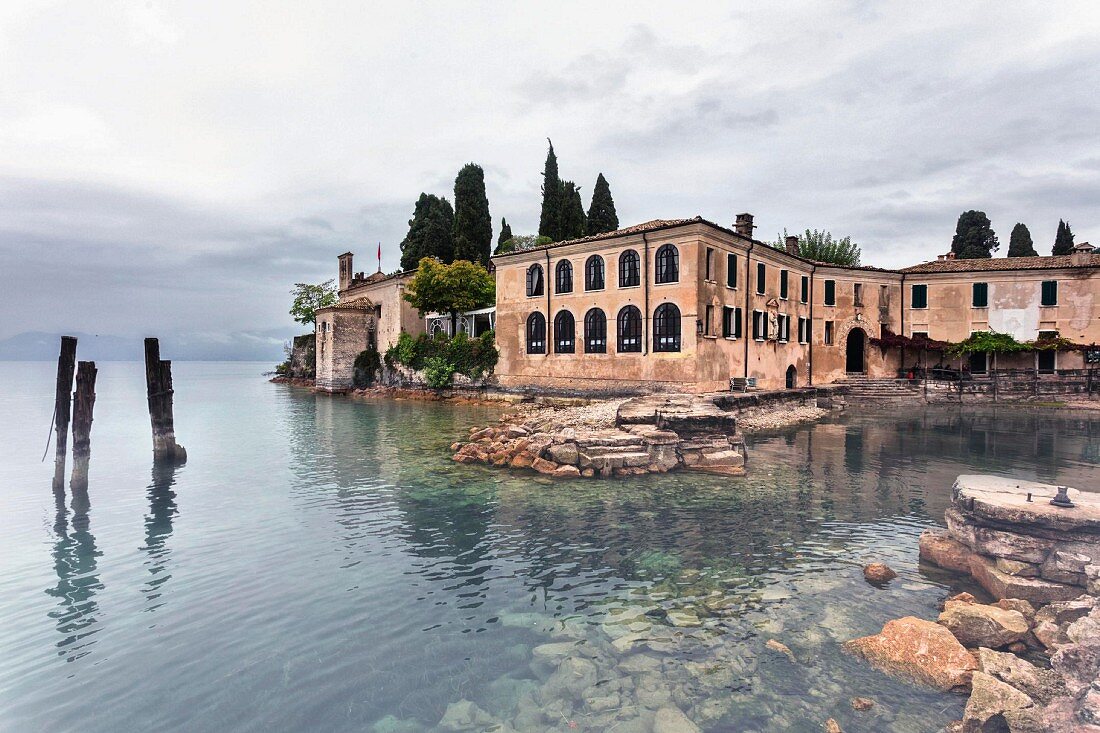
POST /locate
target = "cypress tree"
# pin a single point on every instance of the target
(573, 221)
(1063, 241)
(601, 212)
(1020, 244)
(550, 218)
(505, 232)
(438, 236)
(974, 236)
(473, 227)
(412, 246)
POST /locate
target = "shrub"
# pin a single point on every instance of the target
(366, 368)
(438, 372)
(472, 358)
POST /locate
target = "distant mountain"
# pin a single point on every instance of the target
(244, 346)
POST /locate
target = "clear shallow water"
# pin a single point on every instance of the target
(321, 565)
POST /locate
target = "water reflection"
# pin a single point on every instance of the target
(158, 528)
(75, 562)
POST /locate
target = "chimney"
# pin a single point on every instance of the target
(950, 255)
(743, 225)
(345, 270)
(1082, 254)
(792, 245)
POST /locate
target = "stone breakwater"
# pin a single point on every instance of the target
(1031, 659)
(648, 435)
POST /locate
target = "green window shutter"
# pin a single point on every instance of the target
(731, 270)
(920, 296)
(1050, 292)
(805, 289)
(737, 320)
(830, 292)
(981, 295)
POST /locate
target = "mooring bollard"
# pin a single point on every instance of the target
(158, 380)
(62, 408)
(83, 405)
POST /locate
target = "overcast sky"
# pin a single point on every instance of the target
(176, 167)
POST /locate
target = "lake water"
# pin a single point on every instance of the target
(321, 565)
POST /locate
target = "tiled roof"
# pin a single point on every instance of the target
(1002, 263)
(648, 226)
(360, 304)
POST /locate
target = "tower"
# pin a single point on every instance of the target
(345, 271)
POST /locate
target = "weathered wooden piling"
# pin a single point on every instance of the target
(158, 380)
(62, 408)
(83, 404)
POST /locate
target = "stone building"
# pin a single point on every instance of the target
(688, 305)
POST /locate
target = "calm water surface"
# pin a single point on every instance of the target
(319, 564)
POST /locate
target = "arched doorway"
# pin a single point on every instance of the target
(792, 376)
(854, 352)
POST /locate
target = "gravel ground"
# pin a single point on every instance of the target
(773, 419)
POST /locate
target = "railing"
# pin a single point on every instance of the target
(1015, 382)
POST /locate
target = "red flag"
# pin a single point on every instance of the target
(380, 257)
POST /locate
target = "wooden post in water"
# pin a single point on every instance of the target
(83, 404)
(62, 408)
(158, 381)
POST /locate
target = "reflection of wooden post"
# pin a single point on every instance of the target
(83, 403)
(62, 406)
(158, 380)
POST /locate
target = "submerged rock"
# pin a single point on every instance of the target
(778, 646)
(878, 572)
(672, 720)
(465, 715)
(862, 704)
(917, 650)
(831, 726)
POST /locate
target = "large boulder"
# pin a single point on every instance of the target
(1041, 685)
(976, 624)
(989, 700)
(917, 650)
(941, 549)
(1002, 585)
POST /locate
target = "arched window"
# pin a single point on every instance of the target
(536, 333)
(563, 277)
(666, 328)
(668, 264)
(630, 330)
(595, 332)
(564, 333)
(593, 273)
(628, 269)
(534, 280)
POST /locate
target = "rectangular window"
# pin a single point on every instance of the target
(758, 325)
(980, 295)
(708, 326)
(710, 264)
(737, 323)
(783, 323)
(920, 297)
(1049, 293)
(1045, 359)
(830, 292)
(857, 295)
(805, 295)
(828, 333)
(727, 322)
(731, 270)
(783, 284)
(919, 335)
(761, 271)
(803, 330)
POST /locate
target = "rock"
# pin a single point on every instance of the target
(989, 700)
(831, 726)
(1049, 634)
(1016, 567)
(917, 650)
(1063, 613)
(878, 572)
(671, 719)
(544, 466)
(572, 677)
(1092, 579)
(1017, 604)
(565, 435)
(565, 453)
(1066, 567)
(1078, 665)
(862, 704)
(464, 715)
(1002, 585)
(778, 646)
(522, 460)
(963, 597)
(1085, 630)
(994, 542)
(1042, 685)
(683, 618)
(393, 724)
(941, 549)
(976, 624)
(516, 431)
(567, 471)
(588, 472)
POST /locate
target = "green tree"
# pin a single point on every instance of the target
(574, 224)
(431, 232)
(521, 242)
(505, 233)
(473, 227)
(820, 246)
(1020, 244)
(1063, 241)
(974, 237)
(450, 288)
(601, 212)
(308, 299)
(550, 218)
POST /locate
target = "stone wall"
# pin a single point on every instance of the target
(303, 357)
(343, 336)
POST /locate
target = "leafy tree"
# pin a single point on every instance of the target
(308, 299)
(521, 242)
(450, 288)
(601, 212)
(574, 224)
(505, 233)
(473, 227)
(550, 218)
(974, 237)
(1020, 244)
(1063, 241)
(820, 246)
(431, 232)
